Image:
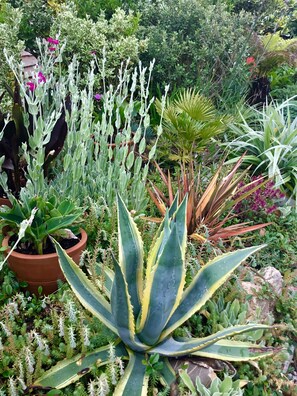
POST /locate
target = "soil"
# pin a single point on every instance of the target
(28, 248)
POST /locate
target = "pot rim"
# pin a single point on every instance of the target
(82, 241)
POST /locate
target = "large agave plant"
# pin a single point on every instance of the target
(145, 310)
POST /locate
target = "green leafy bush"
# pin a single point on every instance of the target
(270, 14)
(283, 82)
(36, 21)
(47, 218)
(93, 8)
(197, 43)
(10, 20)
(87, 38)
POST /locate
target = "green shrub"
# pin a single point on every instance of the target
(86, 38)
(93, 8)
(271, 15)
(10, 20)
(37, 18)
(227, 387)
(196, 43)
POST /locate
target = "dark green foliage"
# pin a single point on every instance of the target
(37, 18)
(283, 82)
(196, 43)
(93, 8)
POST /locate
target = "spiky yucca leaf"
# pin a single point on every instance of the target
(164, 290)
(234, 351)
(122, 311)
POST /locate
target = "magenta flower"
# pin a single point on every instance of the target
(98, 97)
(41, 77)
(52, 49)
(31, 85)
(52, 41)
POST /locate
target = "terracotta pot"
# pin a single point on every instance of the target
(42, 270)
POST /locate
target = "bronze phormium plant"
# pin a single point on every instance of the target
(147, 303)
(209, 210)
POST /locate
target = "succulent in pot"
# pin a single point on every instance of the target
(31, 222)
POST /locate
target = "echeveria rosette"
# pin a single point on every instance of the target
(145, 310)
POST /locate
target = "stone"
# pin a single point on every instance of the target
(261, 305)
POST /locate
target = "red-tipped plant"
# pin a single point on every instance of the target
(209, 210)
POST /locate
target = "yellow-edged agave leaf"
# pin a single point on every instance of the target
(130, 254)
(84, 289)
(167, 373)
(180, 219)
(205, 283)
(235, 351)
(163, 232)
(122, 310)
(174, 206)
(164, 291)
(68, 371)
(135, 380)
(155, 251)
(171, 347)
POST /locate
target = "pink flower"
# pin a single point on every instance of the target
(31, 85)
(52, 49)
(98, 97)
(41, 77)
(250, 60)
(52, 41)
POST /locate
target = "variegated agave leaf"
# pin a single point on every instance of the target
(146, 306)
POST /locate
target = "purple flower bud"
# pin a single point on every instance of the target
(98, 97)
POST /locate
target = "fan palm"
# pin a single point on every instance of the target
(190, 121)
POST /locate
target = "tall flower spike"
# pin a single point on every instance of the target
(61, 326)
(86, 339)
(5, 329)
(71, 310)
(103, 387)
(29, 360)
(12, 387)
(72, 337)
